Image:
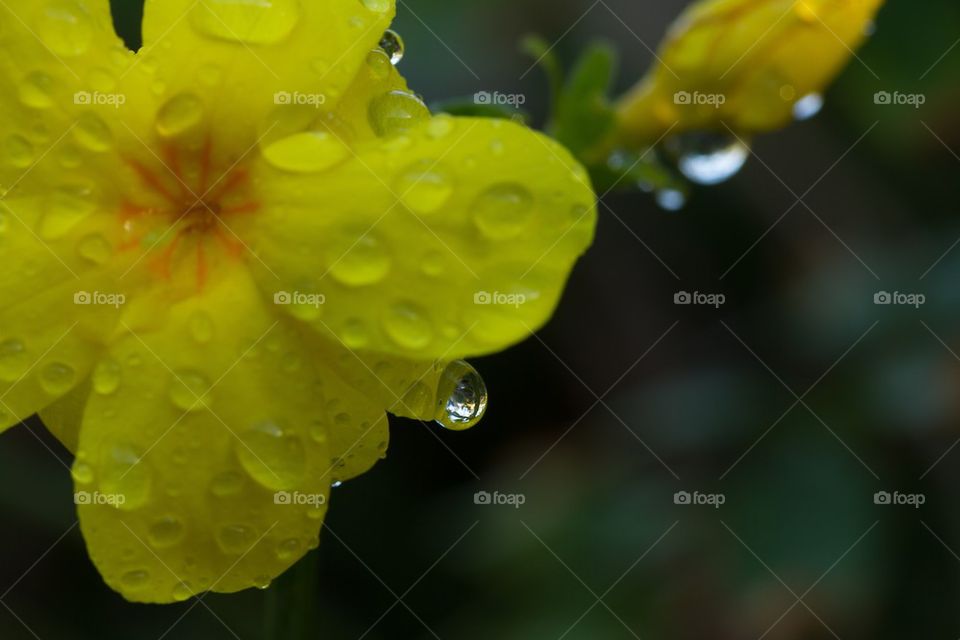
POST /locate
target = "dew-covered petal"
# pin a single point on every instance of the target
(249, 71)
(745, 63)
(208, 455)
(453, 239)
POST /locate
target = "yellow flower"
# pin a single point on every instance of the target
(227, 255)
(743, 63)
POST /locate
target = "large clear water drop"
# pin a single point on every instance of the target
(707, 158)
(462, 397)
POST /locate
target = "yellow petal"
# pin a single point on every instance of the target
(241, 69)
(454, 239)
(207, 465)
(744, 63)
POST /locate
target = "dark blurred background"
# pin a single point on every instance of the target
(793, 404)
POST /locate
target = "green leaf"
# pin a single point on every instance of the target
(470, 107)
(584, 117)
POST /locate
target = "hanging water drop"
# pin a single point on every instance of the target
(462, 397)
(707, 158)
(392, 45)
(808, 106)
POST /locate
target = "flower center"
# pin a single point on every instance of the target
(185, 208)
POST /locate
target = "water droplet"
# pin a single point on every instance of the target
(95, 248)
(358, 259)
(57, 378)
(182, 592)
(124, 473)
(18, 151)
(408, 326)
(808, 106)
(65, 29)
(179, 114)
(440, 126)
(36, 90)
(64, 209)
(189, 391)
(262, 582)
(106, 377)
(396, 112)
(355, 334)
(288, 548)
(13, 360)
(379, 64)
(392, 45)
(424, 187)
(671, 199)
(226, 484)
(259, 22)
(503, 211)
(274, 458)
(165, 532)
(308, 152)
(135, 580)
(93, 133)
(377, 6)
(236, 538)
(462, 397)
(708, 158)
(82, 472)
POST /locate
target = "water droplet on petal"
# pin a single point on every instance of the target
(106, 377)
(57, 378)
(13, 360)
(308, 152)
(65, 29)
(462, 397)
(179, 114)
(64, 209)
(246, 21)
(808, 106)
(288, 549)
(18, 151)
(189, 390)
(82, 472)
(708, 158)
(503, 210)
(392, 45)
(274, 458)
(379, 64)
(358, 259)
(182, 592)
(377, 6)
(424, 187)
(396, 112)
(262, 582)
(93, 133)
(236, 538)
(36, 91)
(125, 476)
(408, 326)
(135, 580)
(165, 532)
(226, 484)
(95, 248)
